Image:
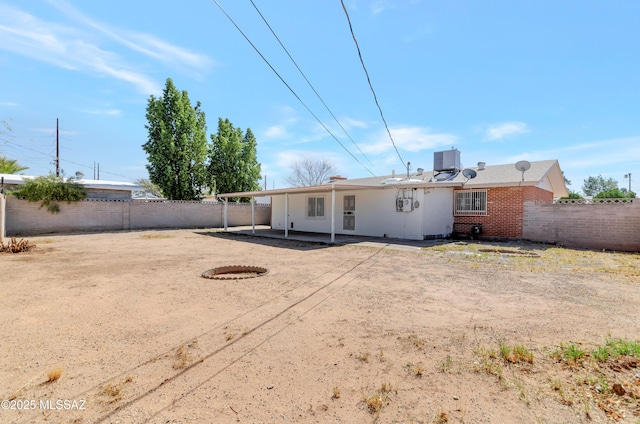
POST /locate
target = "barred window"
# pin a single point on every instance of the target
(470, 202)
(315, 207)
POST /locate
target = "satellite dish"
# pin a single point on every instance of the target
(469, 173)
(522, 166)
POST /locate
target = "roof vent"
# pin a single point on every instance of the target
(419, 171)
(449, 160)
(481, 165)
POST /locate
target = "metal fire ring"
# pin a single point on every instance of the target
(235, 272)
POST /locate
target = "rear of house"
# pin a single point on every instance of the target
(487, 200)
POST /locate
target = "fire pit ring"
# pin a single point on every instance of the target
(235, 272)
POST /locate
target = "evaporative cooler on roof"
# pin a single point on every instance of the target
(446, 161)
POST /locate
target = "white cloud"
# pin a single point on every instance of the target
(275, 132)
(506, 129)
(412, 139)
(8, 104)
(107, 112)
(595, 155)
(144, 43)
(73, 48)
(286, 158)
(353, 123)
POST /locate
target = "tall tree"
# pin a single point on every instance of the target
(594, 185)
(233, 160)
(10, 166)
(176, 146)
(249, 158)
(310, 172)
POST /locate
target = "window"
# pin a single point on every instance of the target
(315, 207)
(470, 202)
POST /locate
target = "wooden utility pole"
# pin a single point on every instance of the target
(57, 150)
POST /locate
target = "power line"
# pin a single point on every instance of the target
(369, 81)
(309, 82)
(52, 157)
(289, 87)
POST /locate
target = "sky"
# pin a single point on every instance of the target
(500, 80)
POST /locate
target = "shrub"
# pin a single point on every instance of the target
(50, 190)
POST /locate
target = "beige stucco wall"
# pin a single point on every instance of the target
(25, 218)
(593, 226)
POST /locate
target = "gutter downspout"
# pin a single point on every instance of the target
(333, 213)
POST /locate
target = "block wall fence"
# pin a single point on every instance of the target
(592, 226)
(27, 218)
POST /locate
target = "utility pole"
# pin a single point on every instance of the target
(629, 176)
(57, 149)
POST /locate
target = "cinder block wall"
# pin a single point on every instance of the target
(504, 211)
(594, 226)
(26, 218)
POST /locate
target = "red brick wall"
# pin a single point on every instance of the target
(505, 211)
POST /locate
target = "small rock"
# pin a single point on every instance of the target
(618, 389)
(456, 397)
(270, 386)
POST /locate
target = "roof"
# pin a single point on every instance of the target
(93, 184)
(489, 176)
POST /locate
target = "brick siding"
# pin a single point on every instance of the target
(505, 211)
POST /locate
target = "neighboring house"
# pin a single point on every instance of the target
(486, 200)
(96, 189)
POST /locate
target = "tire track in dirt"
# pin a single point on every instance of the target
(212, 352)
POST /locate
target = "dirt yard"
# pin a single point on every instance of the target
(122, 328)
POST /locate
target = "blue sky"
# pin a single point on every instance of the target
(501, 81)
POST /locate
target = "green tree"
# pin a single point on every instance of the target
(233, 162)
(50, 190)
(615, 193)
(10, 166)
(177, 144)
(572, 195)
(629, 194)
(594, 185)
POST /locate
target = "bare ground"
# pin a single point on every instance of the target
(332, 334)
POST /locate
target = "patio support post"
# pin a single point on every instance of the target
(225, 214)
(333, 213)
(3, 211)
(253, 215)
(286, 215)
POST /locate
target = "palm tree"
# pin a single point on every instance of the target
(10, 166)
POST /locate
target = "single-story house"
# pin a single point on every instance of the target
(96, 189)
(486, 200)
